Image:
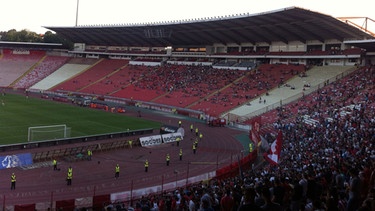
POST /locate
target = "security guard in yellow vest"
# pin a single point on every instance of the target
(146, 166)
(200, 136)
(196, 142)
(180, 154)
(194, 148)
(117, 171)
(89, 154)
(191, 128)
(69, 178)
(167, 159)
(178, 139)
(250, 147)
(13, 181)
(196, 131)
(54, 162)
(179, 123)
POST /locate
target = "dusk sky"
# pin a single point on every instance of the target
(34, 14)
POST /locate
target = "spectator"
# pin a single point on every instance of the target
(354, 190)
(248, 201)
(227, 202)
(269, 204)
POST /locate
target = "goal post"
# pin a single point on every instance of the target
(48, 132)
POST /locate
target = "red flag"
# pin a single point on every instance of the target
(274, 153)
(254, 132)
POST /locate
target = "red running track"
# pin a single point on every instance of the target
(96, 177)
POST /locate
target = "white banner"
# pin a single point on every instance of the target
(171, 137)
(150, 140)
(160, 139)
(26, 52)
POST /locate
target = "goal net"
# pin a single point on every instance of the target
(49, 132)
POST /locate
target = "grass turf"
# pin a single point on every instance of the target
(17, 114)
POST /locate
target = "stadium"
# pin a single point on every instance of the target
(283, 101)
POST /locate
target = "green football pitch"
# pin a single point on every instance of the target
(18, 113)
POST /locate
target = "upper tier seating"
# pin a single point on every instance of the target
(356, 88)
(111, 82)
(64, 73)
(16, 63)
(143, 83)
(46, 67)
(254, 84)
(92, 75)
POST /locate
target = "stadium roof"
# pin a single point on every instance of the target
(369, 45)
(288, 24)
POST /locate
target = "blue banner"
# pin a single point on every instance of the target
(11, 161)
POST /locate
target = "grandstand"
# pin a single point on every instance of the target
(301, 72)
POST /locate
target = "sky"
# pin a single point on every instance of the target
(34, 14)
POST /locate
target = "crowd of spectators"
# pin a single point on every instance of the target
(202, 81)
(249, 86)
(326, 166)
(220, 89)
(181, 77)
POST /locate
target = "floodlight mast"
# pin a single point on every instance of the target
(77, 12)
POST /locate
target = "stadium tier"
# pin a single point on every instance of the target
(284, 102)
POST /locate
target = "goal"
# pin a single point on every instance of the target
(49, 132)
